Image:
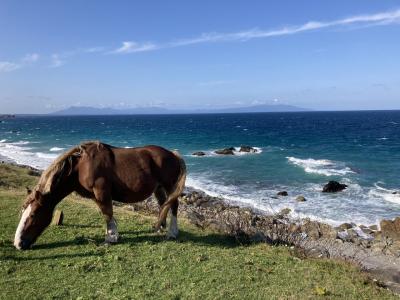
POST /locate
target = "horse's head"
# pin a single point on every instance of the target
(36, 216)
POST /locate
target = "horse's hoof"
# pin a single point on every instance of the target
(171, 236)
(111, 239)
(159, 228)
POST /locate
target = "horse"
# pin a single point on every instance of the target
(104, 173)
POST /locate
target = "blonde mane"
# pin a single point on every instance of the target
(52, 174)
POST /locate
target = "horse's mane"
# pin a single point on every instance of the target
(61, 166)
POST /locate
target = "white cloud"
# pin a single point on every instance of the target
(30, 58)
(132, 47)
(56, 61)
(6, 66)
(378, 19)
(94, 49)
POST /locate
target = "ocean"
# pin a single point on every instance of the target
(298, 153)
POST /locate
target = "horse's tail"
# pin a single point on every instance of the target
(175, 192)
(180, 183)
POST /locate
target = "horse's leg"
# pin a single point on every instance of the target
(173, 226)
(173, 221)
(161, 197)
(104, 202)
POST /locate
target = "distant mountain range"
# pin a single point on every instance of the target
(92, 111)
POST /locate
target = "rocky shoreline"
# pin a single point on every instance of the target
(374, 249)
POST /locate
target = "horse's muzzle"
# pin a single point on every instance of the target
(23, 245)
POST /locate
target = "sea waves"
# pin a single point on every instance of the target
(321, 166)
(20, 153)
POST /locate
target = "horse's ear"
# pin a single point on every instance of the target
(28, 190)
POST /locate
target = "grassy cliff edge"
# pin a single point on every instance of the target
(71, 262)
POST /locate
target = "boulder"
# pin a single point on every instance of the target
(198, 153)
(300, 199)
(345, 226)
(284, 212)
(391, 228)
(333, 187)
(247, 149)
(282, 193)
(226, 151)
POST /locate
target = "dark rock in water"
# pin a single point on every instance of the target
(199, 153)
(247, 149)
(282, 193)
(300, 199)
(391, 228)
(333, 187)
(226, 151)
(395, 193)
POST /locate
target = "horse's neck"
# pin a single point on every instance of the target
(60, 192)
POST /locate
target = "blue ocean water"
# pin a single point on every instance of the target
(299, 153)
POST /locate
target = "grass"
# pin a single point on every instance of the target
(71, 262)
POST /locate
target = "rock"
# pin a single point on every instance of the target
(373, 227)
(58, 217)
(285, 211)
(391, 228)
(300, 199)
(345, 226)
(198, 153)
(282, 193)
(247, 149)
(327, 231)
(333, 187)
(226, 151)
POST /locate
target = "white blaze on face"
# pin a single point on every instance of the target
(21, 225)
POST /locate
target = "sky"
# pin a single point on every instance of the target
(321, 55)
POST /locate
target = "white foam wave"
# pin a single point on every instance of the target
(227, 192)
(46, 155)
(20, 154)
(56, 149)
(386, 194)
(3, 141)
(321, 166)
(19, 143)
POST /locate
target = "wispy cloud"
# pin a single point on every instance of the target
(30, 58)
(132, 47)
(6, 66)
(56, 61)
(94, 50)
(378, 19)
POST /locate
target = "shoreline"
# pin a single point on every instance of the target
(375, 250)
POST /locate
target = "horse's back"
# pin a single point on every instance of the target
(142, 169)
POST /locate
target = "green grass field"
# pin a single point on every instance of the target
(71, 262)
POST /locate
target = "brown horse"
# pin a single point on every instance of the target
(105, 173)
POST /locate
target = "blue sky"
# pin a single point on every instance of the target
(324, 55)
